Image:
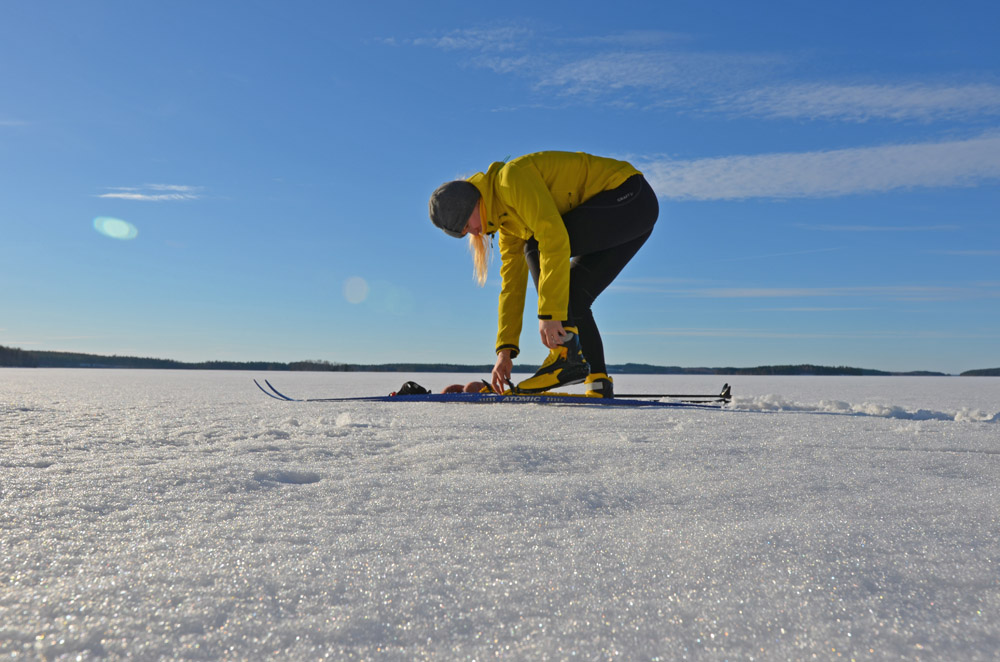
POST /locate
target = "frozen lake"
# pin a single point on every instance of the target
(185, 515)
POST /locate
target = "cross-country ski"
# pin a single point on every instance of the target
(716, 401)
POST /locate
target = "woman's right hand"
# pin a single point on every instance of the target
(502, 370)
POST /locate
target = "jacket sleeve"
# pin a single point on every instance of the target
(526, 192)
(514, 279)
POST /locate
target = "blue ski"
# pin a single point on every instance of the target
(702, 401)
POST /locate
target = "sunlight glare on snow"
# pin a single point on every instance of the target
(185, 511)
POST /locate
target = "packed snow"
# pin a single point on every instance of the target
(185, 515)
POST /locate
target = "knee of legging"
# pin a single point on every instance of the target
(579, 309)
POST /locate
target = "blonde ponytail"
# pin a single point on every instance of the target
(481, 250)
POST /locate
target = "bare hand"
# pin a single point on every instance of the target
(552, 332)
(502, 370)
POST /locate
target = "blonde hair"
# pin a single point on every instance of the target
(482, 250)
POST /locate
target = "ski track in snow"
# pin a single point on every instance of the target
(183, 515)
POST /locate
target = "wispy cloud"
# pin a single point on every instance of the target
(877, 228)
(771, 256)
(654, 70)
(45, 340)
(814, 309)
(860, 103)
(829, 173)
(512, 35)
(782, 335)
(628, 39)
(500, 38)
(906, 293)
(880, 292)
(153, 193)
(657, 70)
(649, 281)
(970, 253)
(12, 123)
(606, 66)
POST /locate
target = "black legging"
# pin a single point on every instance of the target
(604, 233)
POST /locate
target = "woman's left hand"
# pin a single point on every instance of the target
(552, 333)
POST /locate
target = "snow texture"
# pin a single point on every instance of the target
(184, 515)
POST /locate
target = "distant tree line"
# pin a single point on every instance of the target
(12, 357)
(19, 358)
(988, 372)
(818, 370)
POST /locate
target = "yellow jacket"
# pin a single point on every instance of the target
(526, 198)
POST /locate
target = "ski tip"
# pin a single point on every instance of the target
(273, 392)
(727, 392)
(265, 391)
(277, 392)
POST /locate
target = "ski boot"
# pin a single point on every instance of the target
(564, 365)
(600, 385)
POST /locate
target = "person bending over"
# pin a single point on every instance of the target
(572, 221)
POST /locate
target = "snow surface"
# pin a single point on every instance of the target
(184, 515)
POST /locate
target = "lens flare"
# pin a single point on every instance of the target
(355, 289)
(115, 228)
(389, 298)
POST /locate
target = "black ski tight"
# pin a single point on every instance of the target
(605, 232)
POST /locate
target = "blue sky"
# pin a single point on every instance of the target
(249, 180)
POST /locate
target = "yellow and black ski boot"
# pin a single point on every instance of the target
(564, 365)
(600, 385)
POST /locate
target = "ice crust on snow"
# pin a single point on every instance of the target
(183, 515)
(773, 402)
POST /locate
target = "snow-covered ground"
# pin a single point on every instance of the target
(185, 515)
